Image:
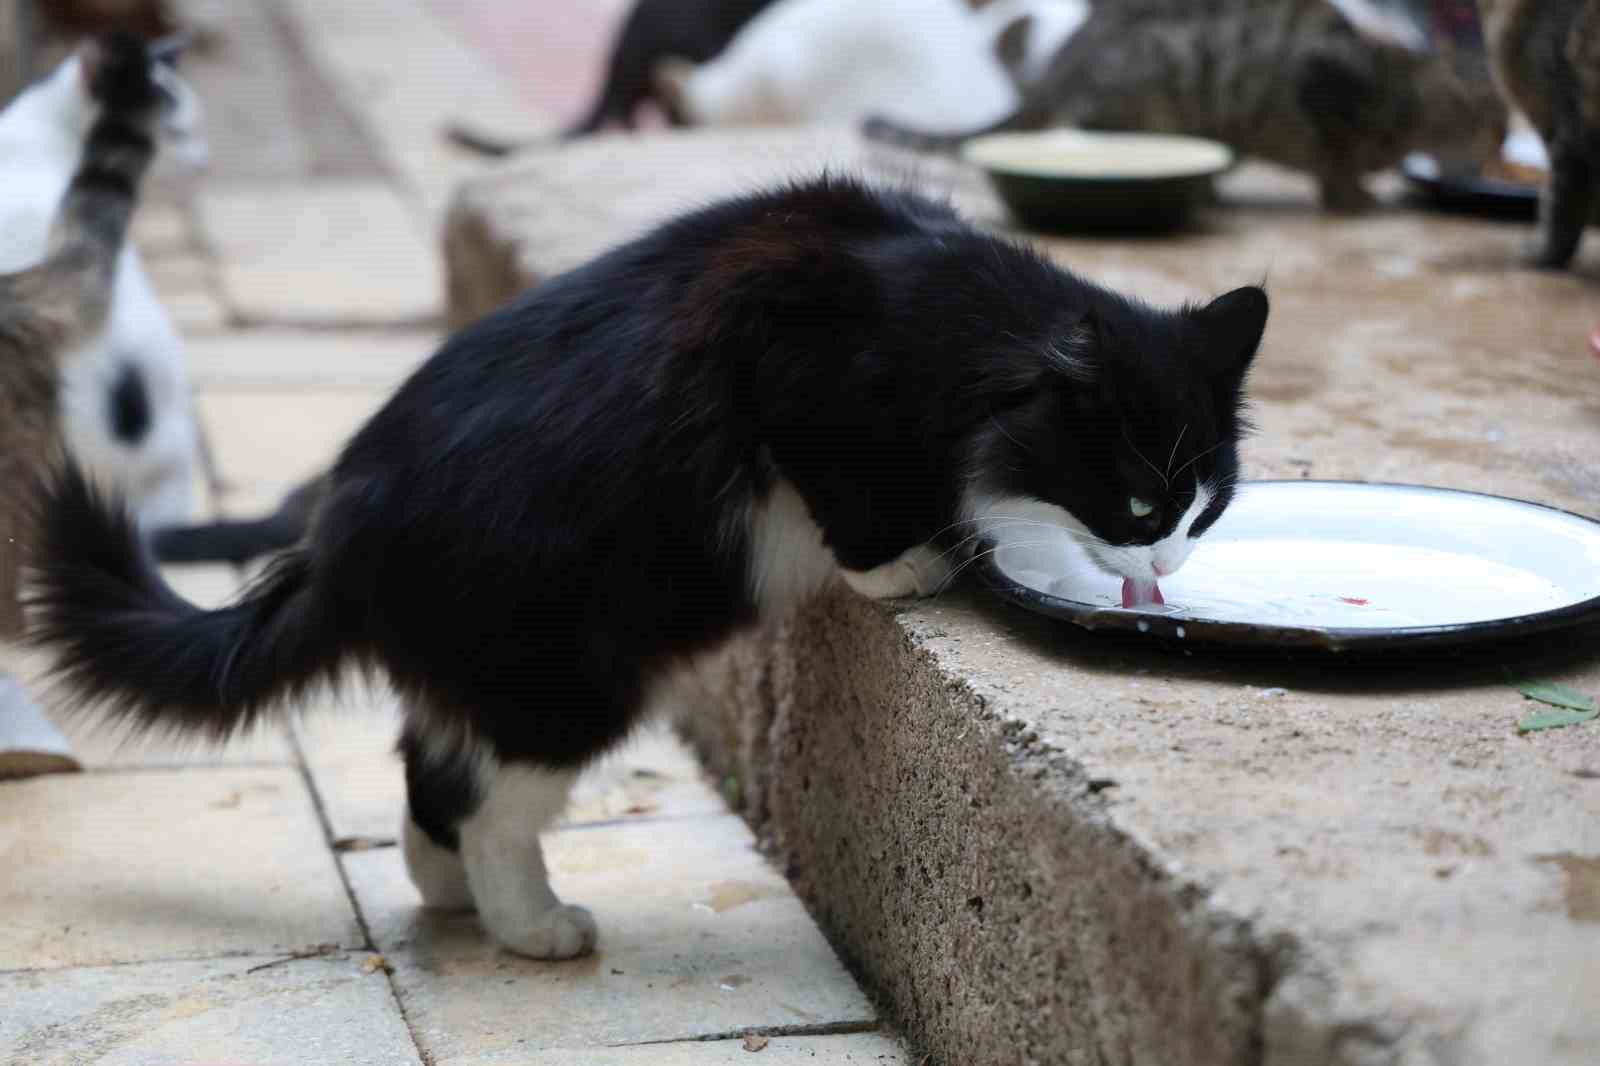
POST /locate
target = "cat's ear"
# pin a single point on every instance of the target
(1011, 46)
(1382, 26)
(1234, 323)
(169, 49)
(91, 55)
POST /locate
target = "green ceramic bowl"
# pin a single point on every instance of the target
(1075, 181)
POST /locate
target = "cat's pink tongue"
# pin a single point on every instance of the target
(1141, 593)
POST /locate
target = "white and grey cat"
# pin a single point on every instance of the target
(932, 61)
(125, 405)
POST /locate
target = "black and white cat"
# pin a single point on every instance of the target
(931, 61)
(47, 312)
(583, 492)
(125, 404)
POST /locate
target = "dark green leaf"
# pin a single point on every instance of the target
(1555, 720)
(1556, 695)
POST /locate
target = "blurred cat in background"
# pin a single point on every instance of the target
(929, 61)
(653, 30)
(1546, 56)
(48, 312)
(125, 404)
(1336, 88)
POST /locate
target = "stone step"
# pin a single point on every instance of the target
(1042, 845)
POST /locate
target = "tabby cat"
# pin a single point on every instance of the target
(1336, 89)
(63, 301)
(1546, 56)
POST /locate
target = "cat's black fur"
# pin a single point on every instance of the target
(554, 510)
(696, 30)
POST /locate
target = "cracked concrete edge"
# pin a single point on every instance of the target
(976, 882)
(482, 268)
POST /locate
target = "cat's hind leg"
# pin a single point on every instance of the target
(442, 788)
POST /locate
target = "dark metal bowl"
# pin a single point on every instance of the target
(1471, 194)
(1066, 199)
(1190, 630)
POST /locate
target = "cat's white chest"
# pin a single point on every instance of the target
(788, 560)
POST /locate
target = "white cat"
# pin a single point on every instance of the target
(125, 406)
(928, 61)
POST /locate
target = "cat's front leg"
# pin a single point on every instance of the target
(471, 840)
(1344, 193)
(1564, 209)
(505, 864)
(921, 571)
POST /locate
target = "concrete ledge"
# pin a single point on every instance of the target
(1045, 846)
(970, 868)
(1040, 844)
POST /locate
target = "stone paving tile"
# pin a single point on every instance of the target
(321, 1011)
(360, 780)
(698, 938)
(554, 54)
(144, 865)
(327, 253)
(266, 442)
(270, 113)
(389, 59)
(303, 359)
(161, 231)
(204, 584)
(99, 746)
(186, 286)
(864, 1049)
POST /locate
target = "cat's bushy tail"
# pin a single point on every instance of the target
(125, 641)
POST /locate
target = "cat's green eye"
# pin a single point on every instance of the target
(1140, 508)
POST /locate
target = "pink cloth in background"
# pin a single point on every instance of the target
(552, 51)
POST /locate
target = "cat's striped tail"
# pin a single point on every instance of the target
(124, 642)
(69, 292)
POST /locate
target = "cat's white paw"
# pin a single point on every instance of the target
(922, 571)
(562, 932)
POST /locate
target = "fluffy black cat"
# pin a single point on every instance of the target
(633, 461)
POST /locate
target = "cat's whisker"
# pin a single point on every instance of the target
(1174, 455)
(1153, 468)
(950, 578)
(1199, 457)
(996, 423)
(989, 516)
(1069, 534)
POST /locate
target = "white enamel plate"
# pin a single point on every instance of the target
(1336, 565)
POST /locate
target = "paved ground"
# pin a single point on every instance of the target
(178, 905)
